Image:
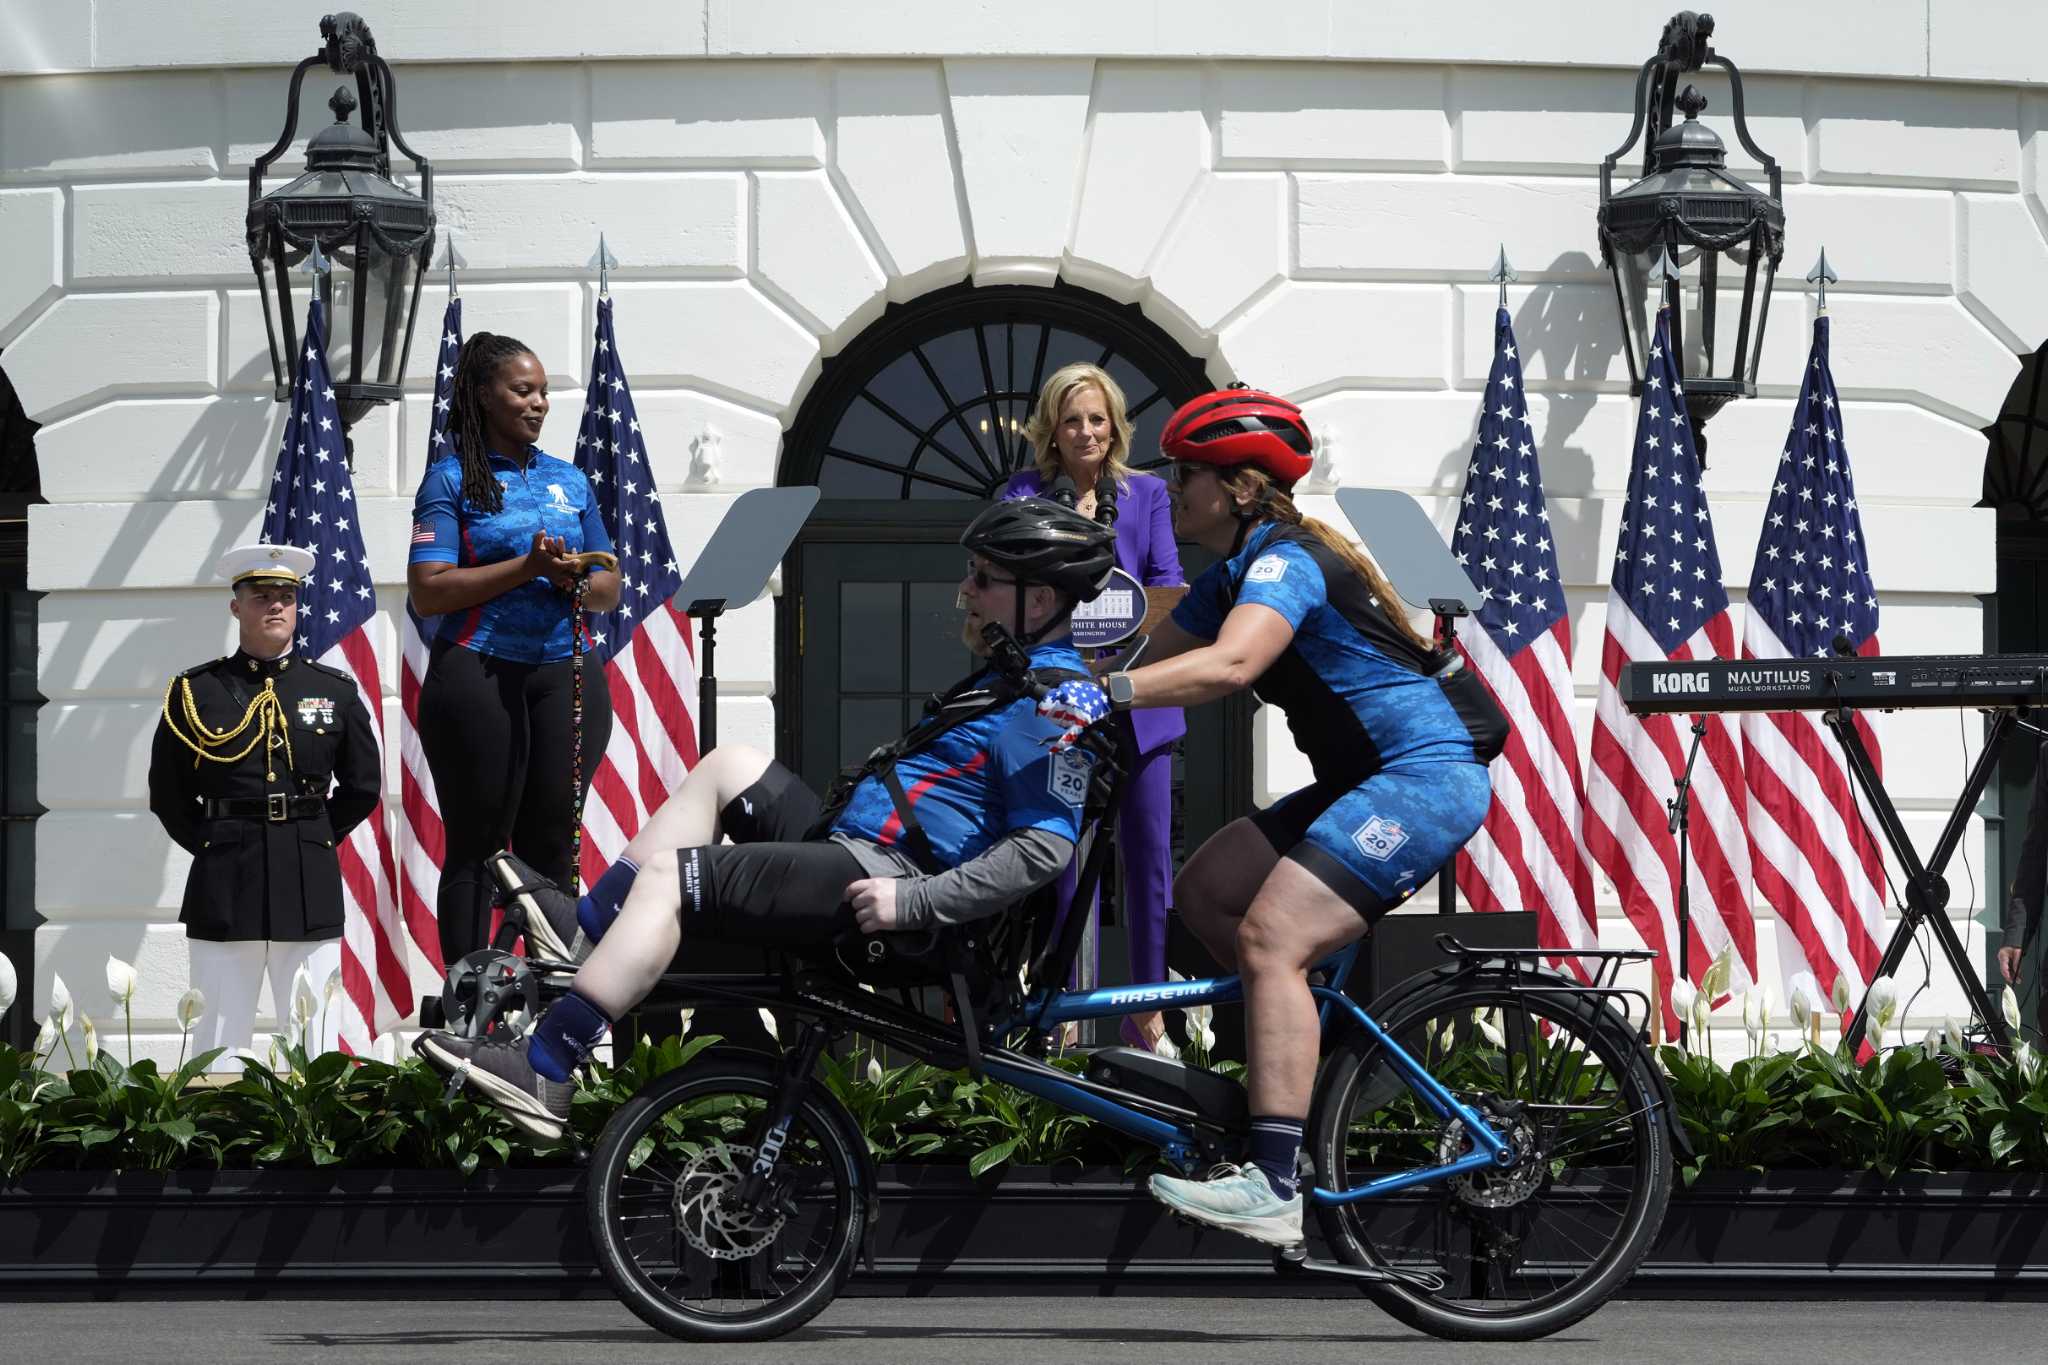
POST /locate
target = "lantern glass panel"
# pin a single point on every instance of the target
(386, 294)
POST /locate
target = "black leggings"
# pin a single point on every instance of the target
(497, 735)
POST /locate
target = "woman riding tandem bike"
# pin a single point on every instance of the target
(1490, 1149)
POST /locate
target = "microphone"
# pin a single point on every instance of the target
(1064, 492)
(1843, 647)
(1105, 498)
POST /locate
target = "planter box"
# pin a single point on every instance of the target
(1728, 1234)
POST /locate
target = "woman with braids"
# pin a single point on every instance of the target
(500, 531)
(1397, 735)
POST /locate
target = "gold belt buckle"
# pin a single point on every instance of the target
(278, 812)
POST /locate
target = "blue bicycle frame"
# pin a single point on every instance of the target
(1177, 1142)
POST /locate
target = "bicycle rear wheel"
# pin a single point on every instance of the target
(1523, 1251)
(677, 1252)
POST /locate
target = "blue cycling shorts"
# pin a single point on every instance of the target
(1376, 843)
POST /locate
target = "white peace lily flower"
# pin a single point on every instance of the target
(2009, 1006)
(92, 1039)
(768, 1022)
(1682, 998)
(304, 1003)
(687, 1016)
(191, 1005)
(1752, 1017)
(1930, 1044)
(1489, 1028)
(874, 1070)
(2030, 1062)
(46, 1036)
(1702, 1011)
(1718, 977)
(1952, 1030)
(1881, 1002)
(9, 983)
(120, 982)
(60, 1003)
(1801, 1011)
(331, 992)
(1839, 997)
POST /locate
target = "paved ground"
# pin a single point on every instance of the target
(952, 1331)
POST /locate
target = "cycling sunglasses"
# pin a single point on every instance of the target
(982, 578)
(1180, 471)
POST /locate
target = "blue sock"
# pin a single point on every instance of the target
(565, 1036)
(1275, 1144)
(596, 911)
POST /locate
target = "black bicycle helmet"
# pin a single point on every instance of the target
(1039, 541)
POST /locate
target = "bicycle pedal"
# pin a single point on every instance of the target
(1295, 1260)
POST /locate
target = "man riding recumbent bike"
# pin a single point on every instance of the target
(1491, 1162)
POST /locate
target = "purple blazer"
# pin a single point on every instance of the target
(1144, 550)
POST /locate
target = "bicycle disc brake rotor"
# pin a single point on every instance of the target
(719, 1232)
(1496, 1188)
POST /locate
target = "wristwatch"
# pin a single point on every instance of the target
(1122, 692)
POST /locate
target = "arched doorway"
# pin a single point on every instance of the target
(2016, 622)
(907, 433)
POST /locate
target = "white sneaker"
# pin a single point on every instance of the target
(1237, 1199)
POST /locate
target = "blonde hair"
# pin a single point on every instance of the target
(1266, 496)
(1052, 401)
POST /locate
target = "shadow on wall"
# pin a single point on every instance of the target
(232, 436)
(1574, 333)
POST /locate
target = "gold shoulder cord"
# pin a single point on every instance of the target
(265, 713)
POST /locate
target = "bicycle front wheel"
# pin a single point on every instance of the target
(1519, 1252)
(674, 1245)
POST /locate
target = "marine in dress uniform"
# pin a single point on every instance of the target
(263, 762)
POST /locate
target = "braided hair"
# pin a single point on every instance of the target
(475, 367)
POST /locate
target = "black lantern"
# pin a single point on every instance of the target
(377, 235)
(1714, 228)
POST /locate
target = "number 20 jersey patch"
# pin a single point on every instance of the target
(1380, 838)
(1266, 569)
(1068, 776)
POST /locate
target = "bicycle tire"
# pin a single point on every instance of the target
(1371, 1232)
(689, 1106)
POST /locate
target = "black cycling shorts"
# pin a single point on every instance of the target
(770, 887)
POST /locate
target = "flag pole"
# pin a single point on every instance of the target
(1502, 273)
(1821, 277)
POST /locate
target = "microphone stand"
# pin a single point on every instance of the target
(1678, 815)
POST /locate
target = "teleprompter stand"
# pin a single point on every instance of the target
(1926, 888)
(1428, 577)
(732, 570)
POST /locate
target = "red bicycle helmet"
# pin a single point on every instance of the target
(1241, 425)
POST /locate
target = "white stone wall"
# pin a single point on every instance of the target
(1308, 198)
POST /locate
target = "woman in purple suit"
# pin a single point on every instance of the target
(1079, 431)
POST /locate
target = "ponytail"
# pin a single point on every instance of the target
(476, 366)
(1278, 506)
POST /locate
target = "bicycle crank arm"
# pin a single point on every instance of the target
(1294, 1260)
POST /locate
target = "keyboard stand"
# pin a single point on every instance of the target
(1926, 888)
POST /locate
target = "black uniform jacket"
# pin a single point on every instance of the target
(255, 876)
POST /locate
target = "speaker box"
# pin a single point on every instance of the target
(1399, 946)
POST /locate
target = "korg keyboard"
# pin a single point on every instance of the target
(1878, 683)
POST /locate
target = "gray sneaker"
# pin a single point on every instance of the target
(547, 912)
(501, 1075)
(1237, 1199)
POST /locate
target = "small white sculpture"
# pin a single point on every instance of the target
(704, 457)
(1322, 474)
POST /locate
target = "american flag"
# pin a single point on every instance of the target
(1666, 603)
(1817, 861)
(312, 505)
(1530, 854)
(646, 646)
(422, 843)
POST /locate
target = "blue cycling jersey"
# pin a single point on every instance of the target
(982, 779)
(531, 623)
(1358, 694)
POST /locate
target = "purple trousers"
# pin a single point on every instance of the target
(1145, 848)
